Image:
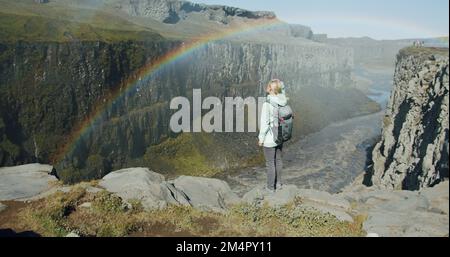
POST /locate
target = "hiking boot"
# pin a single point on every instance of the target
(270, 190)
(279, 186)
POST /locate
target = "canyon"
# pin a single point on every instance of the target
(369, 157)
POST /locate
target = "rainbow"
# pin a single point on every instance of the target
(183, 50)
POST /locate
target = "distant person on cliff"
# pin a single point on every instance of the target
(276, 128)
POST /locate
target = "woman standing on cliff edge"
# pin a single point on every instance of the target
(272, 148)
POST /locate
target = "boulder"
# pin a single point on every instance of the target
(154, 192)
(206, 193)
(25, 181)
(143, 185)
(179, 196)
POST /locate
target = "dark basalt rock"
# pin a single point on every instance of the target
(413, 151)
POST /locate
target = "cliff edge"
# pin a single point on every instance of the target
(413, 151)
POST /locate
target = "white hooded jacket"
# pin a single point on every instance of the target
(267, 119)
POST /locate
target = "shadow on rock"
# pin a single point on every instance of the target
(368, 167)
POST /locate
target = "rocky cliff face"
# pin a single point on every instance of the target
(173, 11)
(413, 152)
(49, 87)
(186, 15)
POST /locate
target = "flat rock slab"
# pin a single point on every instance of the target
(324, 198)
(372, 194)
(438, 197)
(394, 213)
(206, 193)
(406, 224)
(25, 181)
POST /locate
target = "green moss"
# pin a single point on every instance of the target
(95, 166)
(49, 216)
(386, 121)
(70, 175)
(295, 219)
(10, 148)
(370, 107)
(182, 155)
(106, 202)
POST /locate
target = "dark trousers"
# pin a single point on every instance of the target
(274, 164)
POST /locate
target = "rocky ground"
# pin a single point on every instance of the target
(386, 213)
(401, 213)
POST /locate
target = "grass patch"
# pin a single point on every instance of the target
(370, 107)
(48, 217)
(110, 216)
(203, 154)
(182, 155)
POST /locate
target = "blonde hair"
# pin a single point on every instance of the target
(277, 88)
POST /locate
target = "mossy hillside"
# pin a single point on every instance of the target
(15, 28)
(25, 20)
(102, 15)
(108, 215)
(181, 155)
(7, 148)
(201, 154)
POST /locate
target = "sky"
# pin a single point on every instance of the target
(378, 19)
